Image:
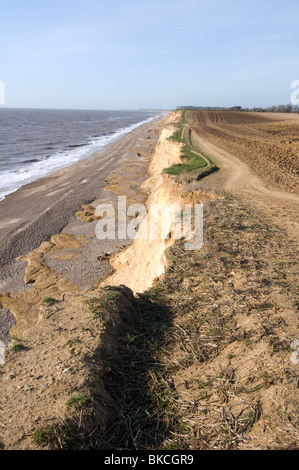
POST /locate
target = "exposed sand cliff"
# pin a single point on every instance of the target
(143, 261)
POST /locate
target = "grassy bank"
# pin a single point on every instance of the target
(201, 360)
(195, 164)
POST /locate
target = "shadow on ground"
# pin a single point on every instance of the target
(134, 335)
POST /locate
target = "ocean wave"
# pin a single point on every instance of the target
(12, 180)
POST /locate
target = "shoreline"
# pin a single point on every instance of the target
(37, 213)
(64, 190)
(62, 158)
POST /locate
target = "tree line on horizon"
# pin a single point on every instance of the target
(282, 108)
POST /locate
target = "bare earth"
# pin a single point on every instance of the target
(258, 158)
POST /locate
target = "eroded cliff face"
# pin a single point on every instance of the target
(144, 260)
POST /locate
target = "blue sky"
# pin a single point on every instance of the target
(129, 54)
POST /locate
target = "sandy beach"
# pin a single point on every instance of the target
(53, 205)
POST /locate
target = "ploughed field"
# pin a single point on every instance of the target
(269, 144)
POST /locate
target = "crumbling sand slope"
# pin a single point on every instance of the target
(143, 261)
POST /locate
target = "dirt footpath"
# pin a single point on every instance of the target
(269, 146)
(258, 157)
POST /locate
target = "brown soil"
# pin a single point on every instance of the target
(269, 146)
(256, 162)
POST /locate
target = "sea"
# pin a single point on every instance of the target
(36, 142)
